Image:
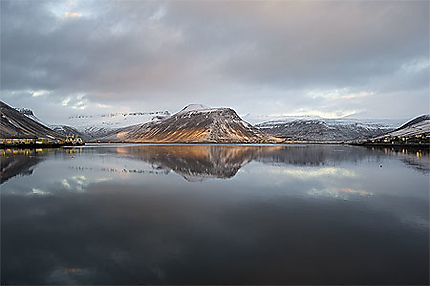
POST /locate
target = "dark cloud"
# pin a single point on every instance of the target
(259, 57)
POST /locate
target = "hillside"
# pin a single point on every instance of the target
(413, 132)
(415, 126)
(66, 130)
(63, 130)
(93, 126)
(194, 124)
(324, 130)
(14, 124)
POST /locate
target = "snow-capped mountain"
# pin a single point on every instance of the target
(255, 119)
(14, 124)
(321, 129)
(63, 130)
(194, 124)
(414, 133)
(417, 126)
(66, 130)
(200, 123)
(30, 114)
(89, 127)
(194, 107)
(95, 126)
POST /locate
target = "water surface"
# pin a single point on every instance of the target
(214, 214)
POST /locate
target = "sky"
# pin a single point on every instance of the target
(362, 59)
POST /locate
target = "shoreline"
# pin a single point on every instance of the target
(378, 145)
(386, 145)
(36, 146)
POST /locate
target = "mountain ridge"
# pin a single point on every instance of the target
(14, 124)
(418, 126)
(198, 123)
(323, 130)
(413, 121)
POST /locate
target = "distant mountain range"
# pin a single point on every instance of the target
(198, 123)
(96, 126)
(91, 127)
(320, 129)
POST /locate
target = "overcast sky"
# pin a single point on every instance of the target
(328, 58)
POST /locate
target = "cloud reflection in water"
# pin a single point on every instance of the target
(296, 214)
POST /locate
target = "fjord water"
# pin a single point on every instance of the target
(215, 214)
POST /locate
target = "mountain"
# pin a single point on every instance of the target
(66, 130)
(255, 119)
(90, 127)
(14, 124)
(324, 130)
(419, 124)
(63, 130)
(93, 126)
(30, 114)
(193, 107)
(416, 130)
(194, 124)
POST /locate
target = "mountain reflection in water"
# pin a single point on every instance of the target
(295, 214)
(200, 162)
(19, 162)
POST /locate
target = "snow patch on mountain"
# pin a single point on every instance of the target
(322, 129)
(195, 107)
(89, 127)
(100, 125)
(416, 126)
(30, 114)
(19, 122)
(263, 119)
(257, 119)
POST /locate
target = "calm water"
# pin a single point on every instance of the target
(172, 214)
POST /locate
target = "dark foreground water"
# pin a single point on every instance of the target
(172, 214)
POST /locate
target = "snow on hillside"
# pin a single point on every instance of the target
(97, 125)
(194, 107)
(257, 119)
(414, 127)
(265, 119)
(93, 126)
(30, 114)
(19, 122)
(322, 129)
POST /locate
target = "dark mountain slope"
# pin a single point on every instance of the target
(16, 124)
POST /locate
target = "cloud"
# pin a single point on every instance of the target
(71, 15)
(258, 57)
